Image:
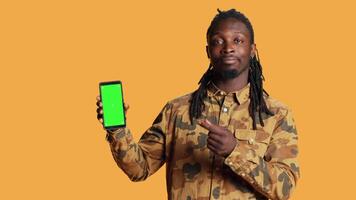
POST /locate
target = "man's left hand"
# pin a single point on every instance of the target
(220, 140)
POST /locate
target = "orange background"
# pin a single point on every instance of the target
(53, 54)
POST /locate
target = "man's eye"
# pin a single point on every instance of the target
(217, 42)
(238, 41)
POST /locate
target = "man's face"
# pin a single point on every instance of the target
(229, 48)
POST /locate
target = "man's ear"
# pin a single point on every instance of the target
(207, 51)
(253, 50)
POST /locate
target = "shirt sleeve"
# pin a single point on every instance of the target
(142, 159)
(276, 173)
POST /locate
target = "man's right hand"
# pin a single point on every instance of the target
(99, 110)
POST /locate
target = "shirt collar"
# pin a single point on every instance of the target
(241, 95)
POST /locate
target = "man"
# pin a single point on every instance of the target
(228, 139)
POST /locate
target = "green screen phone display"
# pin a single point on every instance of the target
(113, 106)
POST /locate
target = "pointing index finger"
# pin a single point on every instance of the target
(211, 127)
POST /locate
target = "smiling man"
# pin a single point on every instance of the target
(228, 139)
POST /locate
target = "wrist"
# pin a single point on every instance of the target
(110, 133)
(232, 149)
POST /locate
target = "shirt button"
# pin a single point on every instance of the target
(251, 141)
(221, 93)
(224, 109)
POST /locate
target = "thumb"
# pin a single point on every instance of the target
(126, 107)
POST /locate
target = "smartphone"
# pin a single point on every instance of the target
(113, 104)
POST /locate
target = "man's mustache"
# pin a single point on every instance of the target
(230, 73)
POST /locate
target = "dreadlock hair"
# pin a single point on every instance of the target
(255, 78)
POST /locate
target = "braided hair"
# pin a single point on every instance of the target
(255, 77)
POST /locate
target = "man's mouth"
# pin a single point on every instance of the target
(229, 60)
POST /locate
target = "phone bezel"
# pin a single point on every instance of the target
(122, 92)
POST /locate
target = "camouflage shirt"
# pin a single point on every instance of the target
(263, 164)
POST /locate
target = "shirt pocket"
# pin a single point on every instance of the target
(256, 140)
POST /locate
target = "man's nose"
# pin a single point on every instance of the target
(229, 47)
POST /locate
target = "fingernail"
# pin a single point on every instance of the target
(208, 122)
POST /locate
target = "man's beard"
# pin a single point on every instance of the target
(230, 73)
